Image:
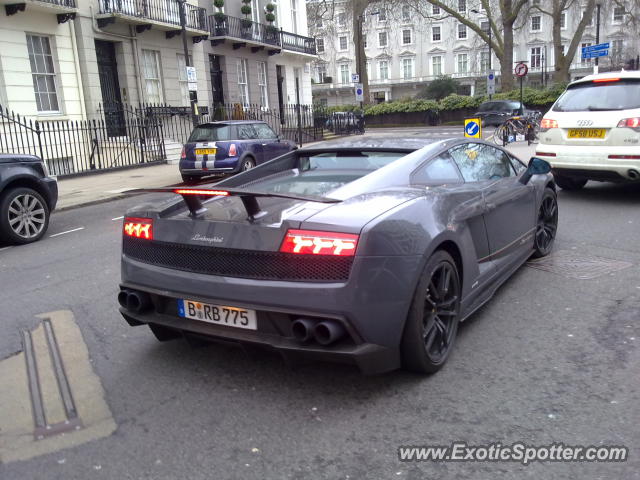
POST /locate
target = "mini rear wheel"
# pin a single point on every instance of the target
(247, 164)
(568, 183)
(432, 324)
(24, 215)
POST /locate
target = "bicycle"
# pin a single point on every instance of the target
(524, 125)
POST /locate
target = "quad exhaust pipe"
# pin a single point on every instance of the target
(134, 301)
(325, 332)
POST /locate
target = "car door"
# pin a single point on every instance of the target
(509, 205)
(272, 146)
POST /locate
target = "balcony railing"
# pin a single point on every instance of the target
(244, 29)
(60, 3)
(164, 11)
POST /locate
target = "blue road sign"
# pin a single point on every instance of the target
(596, 48)
(595, 53)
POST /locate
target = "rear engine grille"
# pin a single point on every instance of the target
(238, 263)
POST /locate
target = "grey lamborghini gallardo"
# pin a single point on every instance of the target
(368, 252)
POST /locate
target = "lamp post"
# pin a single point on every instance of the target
(183, 25)
(598, 6)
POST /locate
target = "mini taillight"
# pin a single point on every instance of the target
(547, 123)
(138, 227)
(624, 157)
(183, 155)
(233, 151)
(633, 123)
(545, 154)
(193, 191)
(319, 243)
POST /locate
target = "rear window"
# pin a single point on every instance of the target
(499, 106)
(349, 160)
(596, 97)
(211, 133)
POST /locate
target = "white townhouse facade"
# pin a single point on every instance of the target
(71, 59)
(405, 51)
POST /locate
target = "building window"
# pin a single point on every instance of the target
(436, 33)
(319, 22)
(436, 66)
(262, 84)
(151, 71)
(618, 14)
(407, 68)
(536, 57)
(382, 15)
(484, 61)
(345, 77)
(462, 5)
(406, 37)
(406, 13)
(536, 23)
(617, 46)
(563, 20)
(462, 63)
(341, 19)
(383, 70)
(43, 73)
(585, 61)
(321, 73)
(462, 31)
(382, 39)
(185, 98)
(324, 102)
(320, 45)
(343, 43)
(485, 26)
(435, 10)
(243, 87)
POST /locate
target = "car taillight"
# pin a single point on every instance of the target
(138, 227)
(547, 123)
(183, 155)
(545, 154)
(632, 123)
(232, 150)
(311, 242)
(606, 80)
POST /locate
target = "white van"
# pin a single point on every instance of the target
(592, 132)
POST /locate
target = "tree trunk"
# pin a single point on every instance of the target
(561, 69)
(359, 7)
(506, 60)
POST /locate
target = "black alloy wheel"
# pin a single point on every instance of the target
(547, 224)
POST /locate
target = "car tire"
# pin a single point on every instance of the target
(189, 178)
(24, 216)
(247, 164)
(431, 326)
(547, 225)
(568, 183)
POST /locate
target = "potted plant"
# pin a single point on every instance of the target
(272, 30)
(246, 11)
(220, 18)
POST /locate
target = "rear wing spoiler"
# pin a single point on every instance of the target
(193, 197)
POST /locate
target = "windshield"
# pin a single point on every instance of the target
(211, 133)
(594, 97)
(349, 160)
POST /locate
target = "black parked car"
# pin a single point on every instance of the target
(496, 112)
(28, 195)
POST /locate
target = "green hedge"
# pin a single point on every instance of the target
(532, 97)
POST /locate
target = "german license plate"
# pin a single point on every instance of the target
(206, 151)
(587, 132)
(218, 314)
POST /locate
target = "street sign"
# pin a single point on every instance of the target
(595, 53)
(596, 48)
(521, 70)
(355, 78)
(473, 128)
(491, 83)
(359, 93)
(192, 86)
(191, 74)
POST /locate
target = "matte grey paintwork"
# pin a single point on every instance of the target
(400, 226)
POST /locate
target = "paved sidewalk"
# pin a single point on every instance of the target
(102, 187)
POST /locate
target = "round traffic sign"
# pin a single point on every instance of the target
(472, 128)
(358, 91)
(521, 70)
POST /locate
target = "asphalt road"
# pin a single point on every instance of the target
(549, 359)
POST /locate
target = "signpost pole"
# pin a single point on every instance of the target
(596, 68)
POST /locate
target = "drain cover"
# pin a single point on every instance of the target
(573, 265)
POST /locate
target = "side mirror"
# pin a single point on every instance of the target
(537, 166)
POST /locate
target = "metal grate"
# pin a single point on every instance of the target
(580, 267)
(238, 263)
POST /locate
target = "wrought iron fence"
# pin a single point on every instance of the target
(166, 11)
(61, 3)
(72, 147)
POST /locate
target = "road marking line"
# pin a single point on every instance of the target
(68, 231)
(4, 248)
(117, 218)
